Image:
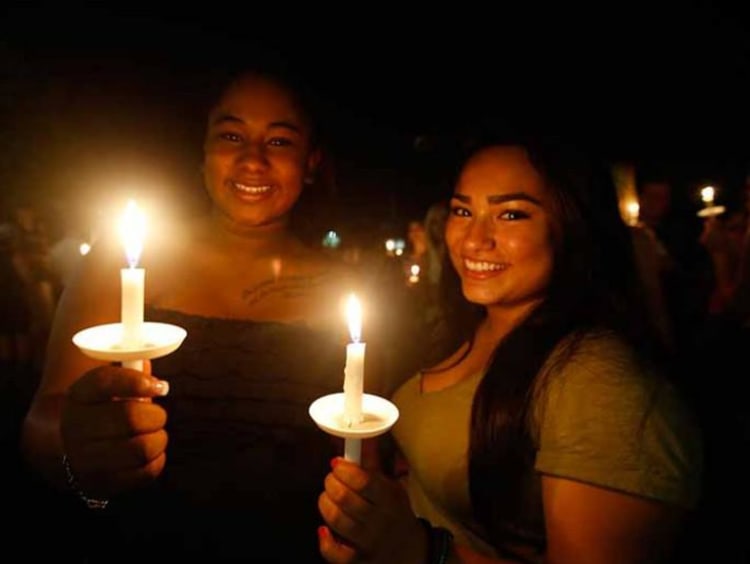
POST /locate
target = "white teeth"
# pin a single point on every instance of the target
(252, 189)
(482, 266)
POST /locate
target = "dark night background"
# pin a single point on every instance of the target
(96, 95)
(99, 99)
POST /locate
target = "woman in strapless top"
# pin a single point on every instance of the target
(210, 451)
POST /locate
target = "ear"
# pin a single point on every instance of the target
(313, 162)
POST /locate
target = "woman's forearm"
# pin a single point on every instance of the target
(40, 444)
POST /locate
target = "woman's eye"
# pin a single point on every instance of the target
(228, 136)
(460, 211)
(279, 142)
(512, 215)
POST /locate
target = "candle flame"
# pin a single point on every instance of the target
(354, 317)
(707, 194)
(633, 209)
(133, 232)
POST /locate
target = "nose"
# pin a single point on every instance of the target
(480, 235)
(253, 156)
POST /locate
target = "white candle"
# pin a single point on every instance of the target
(131, 306)
(132, 281)
(355, 364)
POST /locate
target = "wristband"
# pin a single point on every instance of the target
(91, 502)
(439, 542)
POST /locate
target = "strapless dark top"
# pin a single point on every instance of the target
(245, 462)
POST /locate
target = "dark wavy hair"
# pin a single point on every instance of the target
(594, 286)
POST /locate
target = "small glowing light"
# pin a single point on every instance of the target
(414, 271)
(84, 249)
(331, 239)
(709, 208)
(395, 246)
(633, 210)
(707, 195)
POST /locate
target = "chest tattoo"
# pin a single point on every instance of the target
(287, 287)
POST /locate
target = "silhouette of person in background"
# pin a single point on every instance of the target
(683, 266)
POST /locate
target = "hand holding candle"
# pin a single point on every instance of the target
(132, 231)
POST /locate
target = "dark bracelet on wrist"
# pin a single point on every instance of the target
(439, 542)
(72, 481)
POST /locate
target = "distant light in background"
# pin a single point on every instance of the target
(623, 175)
(331, 239)
(414, 271)
(708, 193)
(395, 247)
(84, 249)
(632, 209)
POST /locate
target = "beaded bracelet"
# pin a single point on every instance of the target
(439, 542)
(91, 502)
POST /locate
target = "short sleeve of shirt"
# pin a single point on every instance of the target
(604, 422)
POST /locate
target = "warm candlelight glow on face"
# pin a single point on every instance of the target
(133, 232)
(707, 194)
(354, 318)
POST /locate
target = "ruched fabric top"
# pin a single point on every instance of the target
(245, 462)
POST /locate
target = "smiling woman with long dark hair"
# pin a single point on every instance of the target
(549, 432)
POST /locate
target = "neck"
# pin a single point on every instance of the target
(502, 320)
(254, 240)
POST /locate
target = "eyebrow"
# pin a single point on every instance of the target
(502, 198)
(229, 118)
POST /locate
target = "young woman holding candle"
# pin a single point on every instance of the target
(548, 433)
(210, 454)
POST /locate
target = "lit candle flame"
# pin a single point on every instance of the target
(707, 194)
(354, 318)
(133, 232)
(633, 210)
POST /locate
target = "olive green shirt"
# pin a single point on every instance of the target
(598, 420)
